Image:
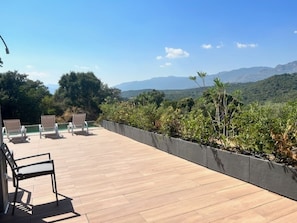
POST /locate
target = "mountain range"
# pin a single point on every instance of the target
(242, 75)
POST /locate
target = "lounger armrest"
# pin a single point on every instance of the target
(28, 157)
(69, 126)
(23, 129)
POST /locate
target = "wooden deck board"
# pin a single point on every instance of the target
(106, 177)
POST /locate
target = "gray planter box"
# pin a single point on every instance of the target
(272, 176)
(232, 164)
(275, 177)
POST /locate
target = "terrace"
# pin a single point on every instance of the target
(106, 177)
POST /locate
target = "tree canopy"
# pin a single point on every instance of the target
(21, 97)
(25, 99)
(83, 92)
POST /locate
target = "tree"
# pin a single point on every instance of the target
(83, 92)
(150, 97)
(21, 97)
(202, 75)
(225, 107)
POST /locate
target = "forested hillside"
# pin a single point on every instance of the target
(278, 88)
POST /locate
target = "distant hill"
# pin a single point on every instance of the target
(277, 89)
(242, 75)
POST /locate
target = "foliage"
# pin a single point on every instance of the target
(118, 112)
(284, 132)
(200, 74)
(276, 89)
(26, 100)
(195, 126)
(144, 117)
(186, 104)
(169, 123)
(83, 91)
(219, 118)
(22, 98)
(150, 97)
(253, 126)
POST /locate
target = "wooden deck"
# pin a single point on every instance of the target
(105, 177)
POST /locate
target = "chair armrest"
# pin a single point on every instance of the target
(28, 157)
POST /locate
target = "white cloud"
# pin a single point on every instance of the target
(246, 45)
(295, 31)
(173, 53)
(206, 46)
(210, 46)
(159, 57)
(166, 65)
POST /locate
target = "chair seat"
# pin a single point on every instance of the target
(35, 170)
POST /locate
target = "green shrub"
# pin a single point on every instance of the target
(253, 126)
(144, 117)
(195, 126)
(169, 123)
(284, 131)
(258, 129)
(118, 112)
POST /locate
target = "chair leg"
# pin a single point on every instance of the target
(15, 196)
(54, 186)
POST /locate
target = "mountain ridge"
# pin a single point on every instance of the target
(241, 75)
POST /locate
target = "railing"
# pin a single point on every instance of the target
(62, 126)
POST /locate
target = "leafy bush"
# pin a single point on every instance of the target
(144, 117)
(267, 130)
(284, 132)
(169, 123)
(197, 127)
(118, 112)
(253, 126)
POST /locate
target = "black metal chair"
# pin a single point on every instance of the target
(29, 170)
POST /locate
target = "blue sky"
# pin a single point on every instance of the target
(130, 40)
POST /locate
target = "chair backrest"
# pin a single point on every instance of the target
(79, 119)
(8, 156)
(48, 121)
(12, 125)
